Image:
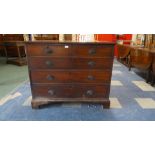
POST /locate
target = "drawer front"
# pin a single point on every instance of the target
(91, 76)
(90, 91)
(50, 77)
(92, 51)
(52, 91)
(48, 50)
(71, 91)
(78, 76)
(49, 63)
(70, 50)
(92, 63)
(70, 63)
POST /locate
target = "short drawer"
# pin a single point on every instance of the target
(70, 91)
(92, 63)
(49, 63)
(48, 50)
(76, 76)
(70, 63)
(92, 51)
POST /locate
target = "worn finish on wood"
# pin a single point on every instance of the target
(70, 72)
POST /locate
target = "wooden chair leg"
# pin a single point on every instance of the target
(6, 54)
(127, 61)
(148, 74)
(129, 64)
(153, 80)
(129, 67)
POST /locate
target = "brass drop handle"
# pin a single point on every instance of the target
(91, 63)
(92, 51)
(90, 77)
(50, 78)
(48, 50)
(49, 63)
(51, 92)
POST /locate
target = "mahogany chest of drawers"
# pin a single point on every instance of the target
(70, 71)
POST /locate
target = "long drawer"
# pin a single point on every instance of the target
(66, 76)
(70, 91)
(70, 63)
(70, 50)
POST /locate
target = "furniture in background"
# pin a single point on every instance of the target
(2, 51)
(125, 38)
(70, 71)
(52, 37)
(67, 37)
(123, 54)
(140, 58)
(46, 36)
(153, 41)
(137, 57)
(148, 40)
(152, 52)
(105, 37)
(15, 51)
(18, 58)
(140, 40)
